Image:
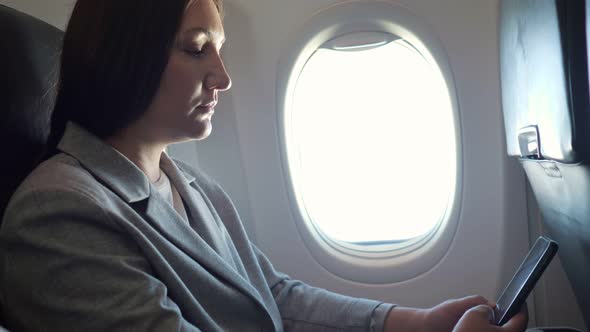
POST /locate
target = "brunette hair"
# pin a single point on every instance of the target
(113, 57)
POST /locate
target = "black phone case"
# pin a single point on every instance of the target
(521, 297)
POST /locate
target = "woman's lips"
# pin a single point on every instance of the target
(207, 109)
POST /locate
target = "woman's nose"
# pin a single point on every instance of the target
(218, 78)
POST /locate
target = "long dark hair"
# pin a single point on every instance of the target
(113, 58)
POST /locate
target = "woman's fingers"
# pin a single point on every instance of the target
(478, 318)
(517, 323)
(483, 312)
(460, 306)
(472, 301)
(481, 318)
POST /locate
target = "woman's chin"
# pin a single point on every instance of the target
(192, 130)
(202, 130)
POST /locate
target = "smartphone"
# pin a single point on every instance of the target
(525, 278)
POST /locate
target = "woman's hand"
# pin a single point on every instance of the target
(441, 318)
(445, 316)
(479, 319)
(461, 315)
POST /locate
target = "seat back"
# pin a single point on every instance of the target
(545, 99)
(29, 58)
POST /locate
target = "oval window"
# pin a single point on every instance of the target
(370, 141)
(373, 146)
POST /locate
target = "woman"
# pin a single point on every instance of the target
(110, 234)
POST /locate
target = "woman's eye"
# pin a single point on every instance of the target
(194, 53)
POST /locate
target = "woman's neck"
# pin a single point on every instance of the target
(138, 148)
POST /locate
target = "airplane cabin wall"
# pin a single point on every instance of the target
(492, 236)
(243, 154)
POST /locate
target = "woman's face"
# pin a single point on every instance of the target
(189, 90)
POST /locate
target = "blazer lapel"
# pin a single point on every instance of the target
(203, 217)
(163, 217)
(207, 233)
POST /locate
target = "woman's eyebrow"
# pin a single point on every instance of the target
(211, 35)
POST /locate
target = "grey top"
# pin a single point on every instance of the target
(86, 244)
(171, 195)
(164, 187)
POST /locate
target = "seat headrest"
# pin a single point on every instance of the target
(29, 60)
(544, 75)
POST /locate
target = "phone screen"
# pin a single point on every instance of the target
(524, 280)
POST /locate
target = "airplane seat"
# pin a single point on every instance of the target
(29, 54)
(546, 105)
(29, 59)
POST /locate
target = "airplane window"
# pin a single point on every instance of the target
(372, 150)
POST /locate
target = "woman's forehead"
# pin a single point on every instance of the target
(202, 16)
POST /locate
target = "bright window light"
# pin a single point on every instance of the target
(374, 143)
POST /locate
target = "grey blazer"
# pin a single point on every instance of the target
(87, 244)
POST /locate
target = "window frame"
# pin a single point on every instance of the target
(389, 263)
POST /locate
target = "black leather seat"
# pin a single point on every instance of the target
(29, 59)
(546, 104)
